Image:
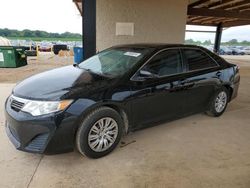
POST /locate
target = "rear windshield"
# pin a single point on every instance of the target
(115, 62)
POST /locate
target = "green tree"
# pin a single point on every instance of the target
(38, 34)
(207, 42)
(189, 41)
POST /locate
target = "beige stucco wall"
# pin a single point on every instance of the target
(154, 21)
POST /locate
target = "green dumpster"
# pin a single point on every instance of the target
(12, 56)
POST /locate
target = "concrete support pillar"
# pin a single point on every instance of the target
(218, 36)
(89, 28)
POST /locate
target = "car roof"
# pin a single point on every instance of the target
(156, 46)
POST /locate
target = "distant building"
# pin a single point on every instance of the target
(4, 42)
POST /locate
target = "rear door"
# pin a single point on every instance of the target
(203, 76)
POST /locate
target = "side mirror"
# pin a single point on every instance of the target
(147, 74)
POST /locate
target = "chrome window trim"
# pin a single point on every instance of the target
(181, 54)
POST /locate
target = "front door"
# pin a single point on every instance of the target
(160, 95)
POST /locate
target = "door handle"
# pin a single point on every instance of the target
(218, 74)
(191, 84)
(187, 84)
(183, 82)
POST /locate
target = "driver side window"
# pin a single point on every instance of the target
(165, 63)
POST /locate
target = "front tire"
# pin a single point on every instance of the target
(99, 133)
(219, 102)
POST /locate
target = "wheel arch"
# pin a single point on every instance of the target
(117, 107)
(122, 113)
(230, 90)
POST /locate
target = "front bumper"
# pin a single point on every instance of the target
(48, 134)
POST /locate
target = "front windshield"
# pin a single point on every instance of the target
(114, 62)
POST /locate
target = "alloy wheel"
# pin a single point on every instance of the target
(221, 102)
(103, 134)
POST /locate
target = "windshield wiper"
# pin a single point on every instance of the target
(88, 70)
(77, 65)
(107, 74)
(98, 73)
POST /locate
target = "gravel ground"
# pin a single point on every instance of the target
(45, 61)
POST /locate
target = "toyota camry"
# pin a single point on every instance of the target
(89, 106)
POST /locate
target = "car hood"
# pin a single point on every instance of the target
(62, 83)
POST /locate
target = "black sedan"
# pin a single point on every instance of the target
(91, 105)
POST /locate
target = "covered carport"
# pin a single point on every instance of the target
(102, 18)
(192, 152)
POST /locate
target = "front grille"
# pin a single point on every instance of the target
(16, 105)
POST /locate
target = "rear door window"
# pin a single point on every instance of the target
(197, 60)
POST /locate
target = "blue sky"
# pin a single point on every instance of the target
(62, 15)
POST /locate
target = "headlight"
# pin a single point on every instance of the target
(37, 108)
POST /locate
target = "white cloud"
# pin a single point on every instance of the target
(49, 15)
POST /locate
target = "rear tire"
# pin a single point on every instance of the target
(99, 133)
(218, 103)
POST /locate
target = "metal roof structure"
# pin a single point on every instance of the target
(212, 12)
(229, 13)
